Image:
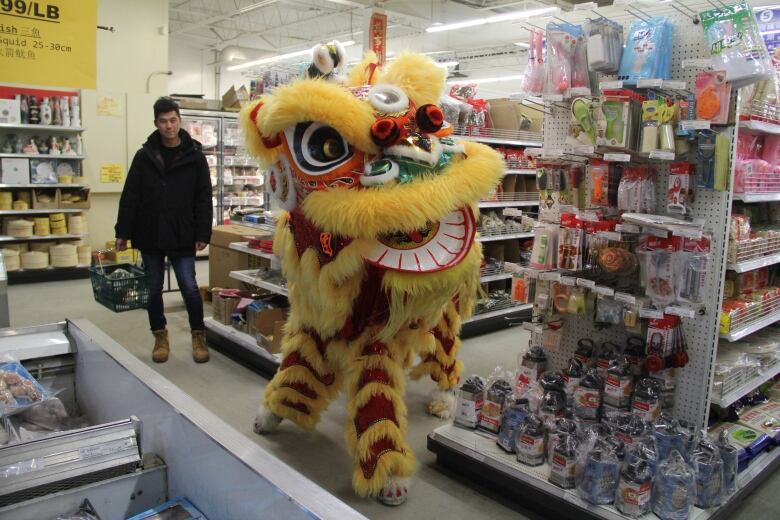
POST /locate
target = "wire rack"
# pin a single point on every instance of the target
(533, 138)
(753, 248)
(515, 196)
(755, 313)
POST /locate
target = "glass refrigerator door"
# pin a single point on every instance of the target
(242, 178)
(207, 131)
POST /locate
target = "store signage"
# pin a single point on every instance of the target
(378, 36)
(769, 25)
(48, 42)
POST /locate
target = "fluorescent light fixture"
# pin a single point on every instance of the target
(506, 17)
(446, 64)
(762, 7)
(523, 45)
(280, 57)
(490, 80)
(769, 33)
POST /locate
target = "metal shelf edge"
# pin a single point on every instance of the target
(746, 388)
(753, 327)
(755, 263)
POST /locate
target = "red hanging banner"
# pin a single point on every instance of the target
(378, 36)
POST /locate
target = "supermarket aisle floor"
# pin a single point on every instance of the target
(232, 392)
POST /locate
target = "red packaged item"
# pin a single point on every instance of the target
(680, 193)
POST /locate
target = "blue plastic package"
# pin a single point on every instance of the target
(674, 489)
(597, 473)
(18, 389)
(179, 508)
(644, 56)
(511, 420)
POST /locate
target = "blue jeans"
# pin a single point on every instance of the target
(184, 267)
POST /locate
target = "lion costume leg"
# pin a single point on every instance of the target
(304, 385)
(376, 431)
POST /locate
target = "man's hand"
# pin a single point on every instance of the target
(200, 246)
(121, 244)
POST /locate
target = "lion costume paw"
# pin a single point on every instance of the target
(266, 421)
(442, 404)
(394, 492)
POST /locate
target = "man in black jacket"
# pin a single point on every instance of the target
(165, 209)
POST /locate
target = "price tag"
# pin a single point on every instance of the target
(589, 216)
(617, 157)
(568, 496)
(534, 152)
(610, 235)
(627, 228)
(650, 83)
(609, 85)
(605, 291)
(673, 84)
(583, 149)
(533, 327)
(653, 314)
(695, 234)
(550, 276)
(565, 208)
(683, 312)
(695, 124)
(552, 97)
(587, 6)
(568, 280)
(512, 212)
(660, 233)
(578, 91)
(662, 154)
(584, 282)
(625, 298)
(700, 63)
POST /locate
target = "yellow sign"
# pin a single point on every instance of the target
(48, 42)
(112, 173)
(109, 106)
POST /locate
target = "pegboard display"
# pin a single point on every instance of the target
(693, 382)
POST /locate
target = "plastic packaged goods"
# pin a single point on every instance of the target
(674, 488)
(18, 389)
(531, 366)
(563, 461)
(645, 55)
(619, 383)
(607, 353)
(671, 436)
(634, 489)
(561, 426)
(646, 401)
(636, 193)
(529, 441)
(736, 44)
(604, 44)
(681, 191)
(597, 471)
(512, 418)
(729, 454)
(599, 182)
(534, 76)
(471, 396)
(543, 255)
(571, 377)
(566, 67)
(713, 94)
(497, 392)
(708, 466)
(587, 397)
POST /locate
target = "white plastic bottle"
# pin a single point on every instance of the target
(45, 112)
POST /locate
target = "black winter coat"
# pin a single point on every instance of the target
(166, 211)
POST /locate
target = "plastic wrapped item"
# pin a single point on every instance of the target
(529, 441)
(531, 366)
(563, 461)
(708, 466)
(471, 396)
(694, 262)
(587, 397)
(570, 249)
(585, 350)
(562, 426)
(597, 472)
(566, 65)
(608, 311)
(713, 95)
(18, 389)
(497, 391)
(534, 76)
(681, 188)
(604, 44)
(599, 182)
(646, 402)
(670, 436)
(85, 512)
(736, 44)
(674, 488)
(607, 354)
(644, 449)
(729, 454)
(636, 192)
(645, 56)
(619, 383)
(512, 418)
(634, 489)
(552, 407)
(545, 247)
(571, 378)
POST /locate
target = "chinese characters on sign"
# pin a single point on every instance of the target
(378, 36)
(48, 42)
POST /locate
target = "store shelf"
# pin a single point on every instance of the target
(498, 136)
(244, 248)
(521, 171)
(755, 263)
(491, 237)
(494, 274)
(34, 186)
(511, 200)
(250, 276)
(243, 340)
(502, 311)
(725, 400)
(6, 212)
(264, 226)
(50, 274)
(759, 127)
(40, 156)
(752, 326)
(476, 453)
(757, 197)
(36, 238)
(48, 128)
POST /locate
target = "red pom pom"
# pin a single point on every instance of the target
(385, 132)
(430, 118)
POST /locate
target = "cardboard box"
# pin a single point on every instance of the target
(512, 115)
(198, 103)
(223, 236)
(82, 193)
(128, 256)
(264, 320)
(15, 171)
(222, 260)
(52, 193)
(276, 340)
(235, 99)
(10, 112)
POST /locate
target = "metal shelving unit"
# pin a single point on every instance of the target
(521, 171)
(244, 248)
(502, 236)
(753, 325)
(755, 263)
(46, 128)
(250, 276)
(8, 212)
(40, 156)
(744, 389)
(500, 311)
(39, 186)
(757, 197)
(47, 237)
(762, 127)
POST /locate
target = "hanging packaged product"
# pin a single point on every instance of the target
(608, 311)
(674, 488)
(636, 193)
(634, 489)
(584, 353)
(736, 44)
(566, 68)
(512, 418)
(564, 461)
(561, 427)
(681, 193)
(524, 287)
(646, 402)
(587, 397)
(531, 366)
(497, 393)
(708, 467)
(529, 441)
(571, 377)
(635, 355)
(570, 244)
(729, 454)
(543, 255)
(607, 353)
(582, 129)
(599, 182)
(617, 118)
(660, 255)
(597, 472)
(534, 75)
(619, 384)
(605, 45)
(713, 95)
(694, 269)
(658, 117)
(705, 157)
(471, 396)
(645, 55)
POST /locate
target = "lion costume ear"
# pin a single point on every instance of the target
(364, 73)
(417, 75)
(265, 148)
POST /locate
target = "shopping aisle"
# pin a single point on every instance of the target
(232, 392)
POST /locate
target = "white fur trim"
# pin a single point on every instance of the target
(341, 52)
(395, 486)
(417, 154)
(442, 404)
(375, 180)
(266, 421)
(391, 107)
(322, 60)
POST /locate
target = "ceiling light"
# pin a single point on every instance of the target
(493, 19)
(446, 64)
(769, 33)
(762, 7)
(280, 57)
(523, 45)
(490, 80)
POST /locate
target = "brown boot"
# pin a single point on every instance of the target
(200, 351)
(161, 346)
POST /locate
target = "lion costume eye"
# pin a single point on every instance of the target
(317, 148)
(388, 99)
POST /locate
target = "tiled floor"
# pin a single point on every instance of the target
(232, 392)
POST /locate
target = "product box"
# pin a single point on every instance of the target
(128, 256)
(222, 259)
(276, 339)
(45, 198)
(506, 114)
(198, 103)
(15, 171)
(10, 112)
(235, 98)
(43, 171)
(75, 198)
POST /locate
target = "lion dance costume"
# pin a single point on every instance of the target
(377, 246)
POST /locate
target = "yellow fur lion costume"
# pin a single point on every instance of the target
(377, 245)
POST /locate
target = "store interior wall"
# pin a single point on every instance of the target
(125, 59)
